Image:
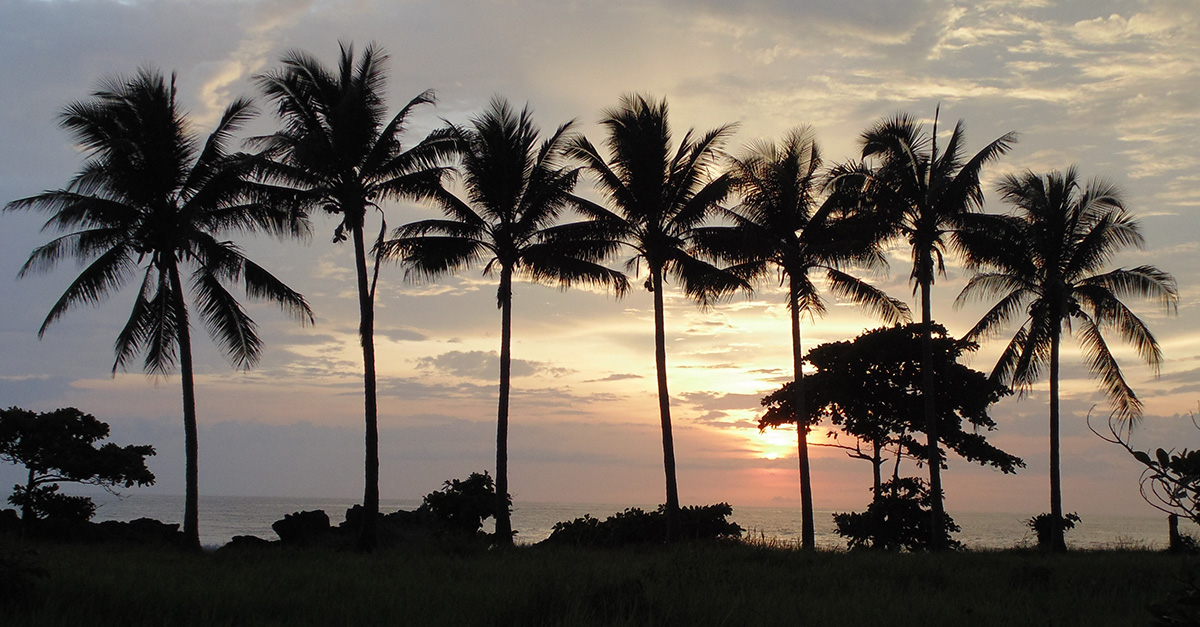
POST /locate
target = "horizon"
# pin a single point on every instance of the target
(1102, 85)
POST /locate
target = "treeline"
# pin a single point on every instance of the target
(156, 206)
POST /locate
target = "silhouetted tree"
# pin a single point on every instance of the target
(61, 446)
(923, 191)
(783, 224)
(152, 200)
(870, 388)
(660, 195)
(516, 191)
(339, 151)
(462, 505)
(1045, 264)
(897, 519)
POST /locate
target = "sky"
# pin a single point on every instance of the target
(1108, 85)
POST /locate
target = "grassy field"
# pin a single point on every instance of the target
(685, 585)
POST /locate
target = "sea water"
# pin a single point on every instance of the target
(222, 517)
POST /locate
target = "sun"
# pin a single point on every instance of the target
(773, 444)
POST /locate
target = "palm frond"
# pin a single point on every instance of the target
(1101, 363)
(133, 335)
(871, 298)
(104, 275)
(225, 319)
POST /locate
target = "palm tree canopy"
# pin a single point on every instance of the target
(660, 194)
(337, 149)
(1046, 263)
(783, 223)
(516, 191)
(920, 189)
(151, 198)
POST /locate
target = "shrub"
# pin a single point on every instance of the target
(1040, 525)
(898, 518)
(635, 526)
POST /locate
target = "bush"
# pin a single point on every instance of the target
(1040, 525)
(898, 519)
(462, 506)
(635, 526)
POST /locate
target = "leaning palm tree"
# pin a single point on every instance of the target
(151, 200)
(516, 190)
(782, 224)
(924, 192)
(339, 151)
(660, 196)
(1045, 264)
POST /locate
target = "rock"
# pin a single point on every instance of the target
(302, 527)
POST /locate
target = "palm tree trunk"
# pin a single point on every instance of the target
(191, 489)
(664, 405)
(1057, 541)
(807, 528)
(504, 536)
(367, 537)
(937, 513)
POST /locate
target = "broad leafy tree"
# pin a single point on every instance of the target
(659, 193)
(1046, 264)
(923, 189)
(785, 225)
(516, 187)
(339, 151)
(60, 446)
(154, 202)
(870, 389)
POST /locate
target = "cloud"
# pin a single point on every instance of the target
(485, 365)
(615, 377)
(401, 334)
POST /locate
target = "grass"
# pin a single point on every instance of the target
(734, 584)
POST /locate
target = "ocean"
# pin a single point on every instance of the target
(222, 517)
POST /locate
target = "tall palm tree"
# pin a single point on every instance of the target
(339, 151)
(1045, 263)
(660, 196)
(923, 192)
(783, 224)
(152, 200)
(516, 190)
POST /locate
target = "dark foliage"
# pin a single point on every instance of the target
(47, 504)
(461, 506)
(897, 519)
(870, 387)
(1043, 526)
(448, 518)
(635, 526)
(61, 446)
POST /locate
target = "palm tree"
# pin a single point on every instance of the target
(661, 196)
(516, 190)
(924, 192)
(339, 151)
(151, 200)
(1045, 263)
(782, 224)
